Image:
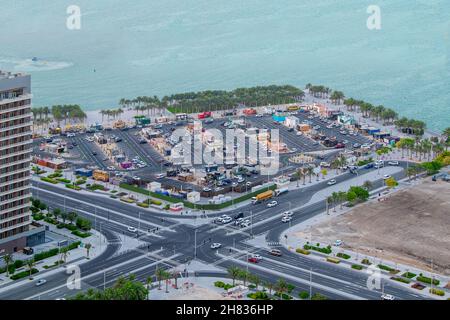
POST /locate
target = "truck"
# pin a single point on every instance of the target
(266, 195)
(100, 175)
(279, 192)
(293, 108)
(249, 112)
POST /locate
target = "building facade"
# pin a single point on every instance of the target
(15, 158)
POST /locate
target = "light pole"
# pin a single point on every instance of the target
(310, 283)
(195, 243)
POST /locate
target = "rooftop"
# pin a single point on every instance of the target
(10, 75)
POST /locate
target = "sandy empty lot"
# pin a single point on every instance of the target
(411, 226)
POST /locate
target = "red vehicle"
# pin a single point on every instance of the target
(253, 260)
(204, 115)
(340, 146)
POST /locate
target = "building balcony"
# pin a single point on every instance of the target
(17, 144)
(22, 97)
(9, 164)
(17, 153)
(27, 213)
(17, 126)
(17, 135)
(5, 193)
(21, 116)
(15, 226)
(22, 197)
(26, 169)
(3, 184)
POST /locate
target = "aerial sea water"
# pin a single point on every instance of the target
(156, 47)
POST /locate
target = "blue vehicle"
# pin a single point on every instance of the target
(369, 166)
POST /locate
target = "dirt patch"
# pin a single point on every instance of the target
(411, 227)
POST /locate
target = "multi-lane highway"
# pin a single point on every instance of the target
(174, 241)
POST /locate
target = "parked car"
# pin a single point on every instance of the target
(216, 245)
(337, 243)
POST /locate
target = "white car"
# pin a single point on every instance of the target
(331, 182)
(386, 296)
(132, 229)
(160, 175)
(245, 224)
(286, 219)
(386, 176)
(393, 163)
(257, 257)
(337, 243)
(239, 221)
(299, 133)
(216, 245)
(272, 204)
(40, 282)
(288, 213)
(227, 220)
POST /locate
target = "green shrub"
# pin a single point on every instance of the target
(333, 260)
(284, 296)
(357, 267)
(24, 274)
(219, 284)
(318, 296)
(409, 275)
(387, 268)
(366, 262)
(303, 295)
(326, 250)
(46, 254)
(259, 295)
(437, 292)
(63, 180)
(50, 180)
(302, 251)
(400, 279)
(81, 234)
(73, 187)
(343, 255)
(83, 224)
(427, 280)
(142, 204)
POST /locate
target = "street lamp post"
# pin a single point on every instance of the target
(195, 243)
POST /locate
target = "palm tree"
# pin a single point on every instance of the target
(56, 212)
(149, 282)
(255, 280)
(335, 198)
(234, 272)
(243, 275)
(72, 216)
(175, 275)
(281, 287)
(30, 264)
(167, 276)
(64, 251)
(367, 185)
(8, 259)
(269, 285)
(310, 172)
(342, 196)
(88, 247)
(159, 276)
(329, 201)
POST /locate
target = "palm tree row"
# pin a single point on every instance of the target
(318, 91)
(281, 286)
(111, 113)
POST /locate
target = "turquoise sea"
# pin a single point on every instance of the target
(158, 47)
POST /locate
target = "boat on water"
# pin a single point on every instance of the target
(34, 59)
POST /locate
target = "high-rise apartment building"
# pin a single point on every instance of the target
(15, 159)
